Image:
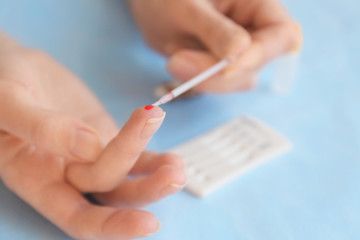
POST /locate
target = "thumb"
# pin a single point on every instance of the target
(187, 63)
(48, 130)
(222, 36)
(120, 155)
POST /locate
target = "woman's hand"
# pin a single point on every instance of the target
(52, 133)
(197, 34)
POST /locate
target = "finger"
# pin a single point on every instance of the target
(140, 192)
(149, 162)
(268, 43)
(277, 39)
(187, 63)
(119, 156)
(186, 42)
(199, 61)
(218, 33)
(60, 134)
(265, 13)
(271, 26)
(10, 146)
(236, 80)
(68, 210)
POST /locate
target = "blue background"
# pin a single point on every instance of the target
(311, 193)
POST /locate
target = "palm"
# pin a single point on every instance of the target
(27, 165)
(54, 88)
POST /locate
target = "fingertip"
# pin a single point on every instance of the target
(159, 225)
(143, 223)
(146, 116)
(147, 119)
(174, 178)
(149, 107)
(174, 175)
(154, 114)
(149, 111)
(298, 38)
(166, 180)
(173, 160)
(131, 224)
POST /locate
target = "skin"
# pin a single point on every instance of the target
(197, 34)
(53, 102)
(65, 144)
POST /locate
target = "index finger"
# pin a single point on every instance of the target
(119, 156)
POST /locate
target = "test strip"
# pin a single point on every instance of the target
(194, 81)
(227, 152)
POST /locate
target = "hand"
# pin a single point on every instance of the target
(52, 130)
(197, 34)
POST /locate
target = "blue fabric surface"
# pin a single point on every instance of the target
(311, 193)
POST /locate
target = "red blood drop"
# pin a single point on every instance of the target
(149, 107)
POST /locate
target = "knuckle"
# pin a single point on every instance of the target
(42, 130)
(43, 133)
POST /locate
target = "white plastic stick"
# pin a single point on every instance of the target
(194, 81)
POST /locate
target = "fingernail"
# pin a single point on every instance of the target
(85, 145)
(182, 68)
(151, 126)
(170, 189)
(157, 229)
